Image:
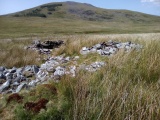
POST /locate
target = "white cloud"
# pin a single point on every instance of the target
(153, 1)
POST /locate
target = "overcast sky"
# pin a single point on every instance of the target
(145, 6)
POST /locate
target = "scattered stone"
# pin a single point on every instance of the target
(73, 71)
(76, 57)
(15, 79)
(109, 48)
(94, 66)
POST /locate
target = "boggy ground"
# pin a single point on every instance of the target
(126, 88)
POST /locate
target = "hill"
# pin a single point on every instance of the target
(75, 18)
(74, 10)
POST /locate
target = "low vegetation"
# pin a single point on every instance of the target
(126, 88)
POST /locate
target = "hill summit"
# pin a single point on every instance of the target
(84, 11)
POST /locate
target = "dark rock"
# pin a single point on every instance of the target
(13, 70)
(46, 46)
(2, 76)
(49, 44)
(35, 69)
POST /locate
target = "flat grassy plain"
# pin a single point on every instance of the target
(127, 88)
(13, 27)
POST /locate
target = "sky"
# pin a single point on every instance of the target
(145, 6)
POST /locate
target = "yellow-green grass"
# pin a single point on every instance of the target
(13, 27)
(126, 88)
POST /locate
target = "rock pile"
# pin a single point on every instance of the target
(46, 46)
(14, 79)
(93, 67)
(109, 48)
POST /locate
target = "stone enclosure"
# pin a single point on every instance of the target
(15, 79)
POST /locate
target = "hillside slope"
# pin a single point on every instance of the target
(74, 10)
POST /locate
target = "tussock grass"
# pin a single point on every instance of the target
(127, 88)
(13, 54)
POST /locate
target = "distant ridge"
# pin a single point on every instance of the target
(84, 11)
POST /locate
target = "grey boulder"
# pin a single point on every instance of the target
(21, 86)
(5, 86)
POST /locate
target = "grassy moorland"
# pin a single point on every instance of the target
(75, 18)
(13, 27)
(127, 88)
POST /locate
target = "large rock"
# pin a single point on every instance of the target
(21, 86)
(42, 75)
(94, 66)
(2, 68)
(5, 86)
(32, 83)
(35, 69)
(13, 70)
(59, 71)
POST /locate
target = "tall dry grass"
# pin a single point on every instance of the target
(127, 88)
(13, 54)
